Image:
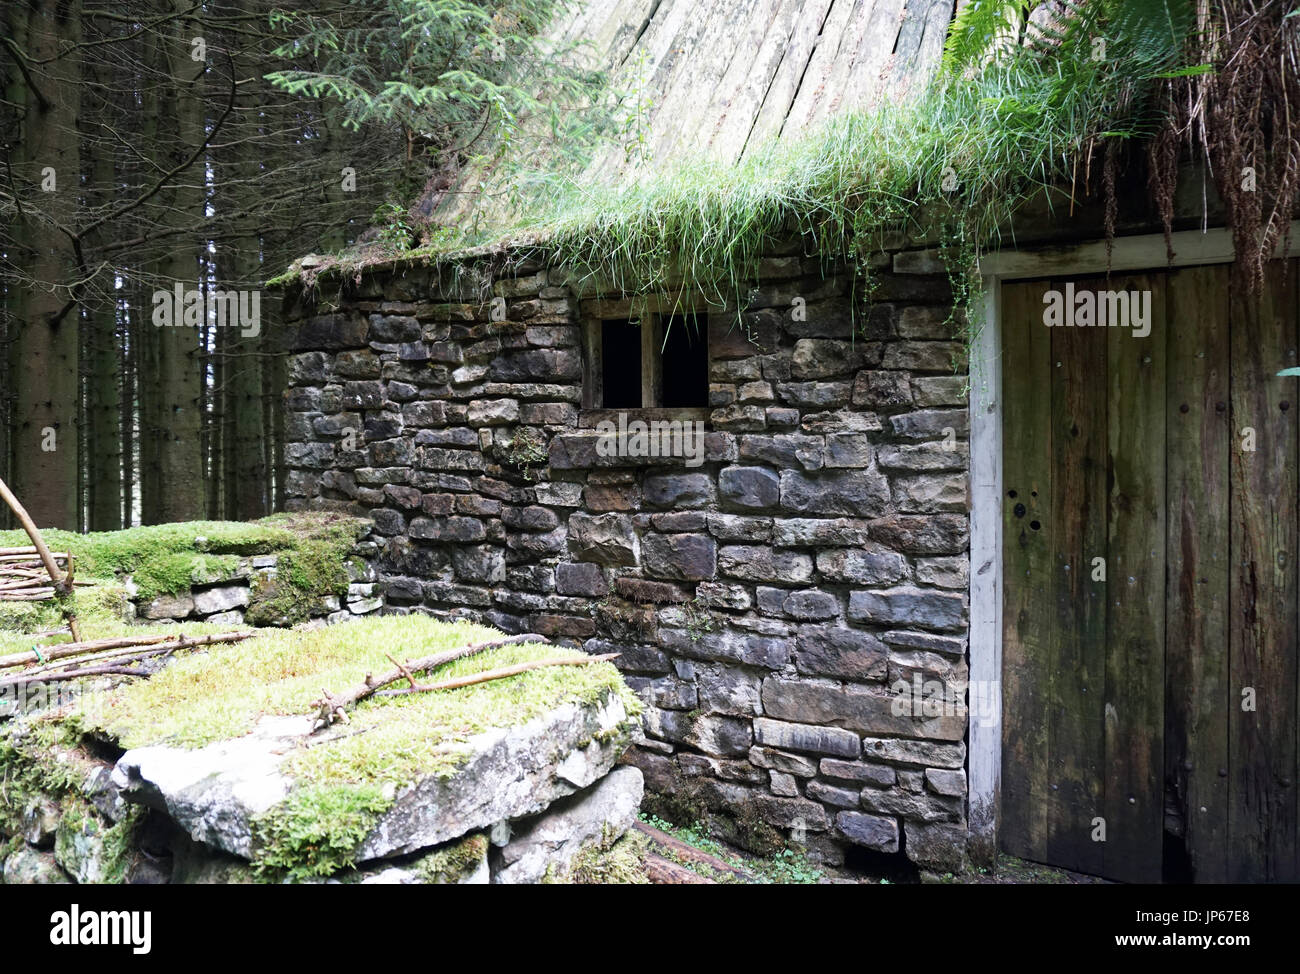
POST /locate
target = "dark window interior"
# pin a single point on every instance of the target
(685, 361)
(620, 359)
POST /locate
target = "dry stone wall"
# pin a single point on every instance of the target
(233, 600)
(769, 604)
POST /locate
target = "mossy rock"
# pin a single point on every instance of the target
(164, 559)
(460, 862)
(350, 778)
(179, 571)
(91, 849)
(383, 767)
(457, 862)
(619, 863)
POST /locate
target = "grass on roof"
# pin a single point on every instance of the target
(952, 164)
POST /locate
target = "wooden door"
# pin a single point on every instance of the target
(1150, 622)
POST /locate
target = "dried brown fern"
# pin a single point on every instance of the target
(1242, 118)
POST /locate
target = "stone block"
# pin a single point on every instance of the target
(684, 557)
(810, 738)
(845, 654)
(876, 832)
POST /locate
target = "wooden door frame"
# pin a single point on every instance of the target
(1135, 253)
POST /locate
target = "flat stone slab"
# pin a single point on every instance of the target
(509, 773)
(600, 814)
(215, 792)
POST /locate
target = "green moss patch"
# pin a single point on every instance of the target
(316, 566)
(178, 571)
(620, 862)
(38, 761)
(454, 862)
(317, 829)
(221, 693)
(164, 559)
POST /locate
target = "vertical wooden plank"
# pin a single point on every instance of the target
(1198, 440)
(1262, 635)
(652, 357)
(984, 746)
(1135, 631)
(1077, 650)
(1027, 578)
(593, 389)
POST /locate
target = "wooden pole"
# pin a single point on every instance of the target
(34, 533)
(62, 583)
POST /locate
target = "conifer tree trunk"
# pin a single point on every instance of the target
(150, 418)
(128, 356)
(44, 346)
(103, 440)
(181, 488)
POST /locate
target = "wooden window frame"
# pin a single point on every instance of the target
(650, 311)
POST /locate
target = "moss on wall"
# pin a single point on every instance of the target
(164, 559)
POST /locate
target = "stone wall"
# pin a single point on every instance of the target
(233, 601)
(768, 605)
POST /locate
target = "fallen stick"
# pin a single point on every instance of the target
(35, 595)
(63, 675)
(51, 673)
(665, 872)
(111, 655)
(330, 706)
(32, 581)
(72, 649)
(498, 674)
(65, 650)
